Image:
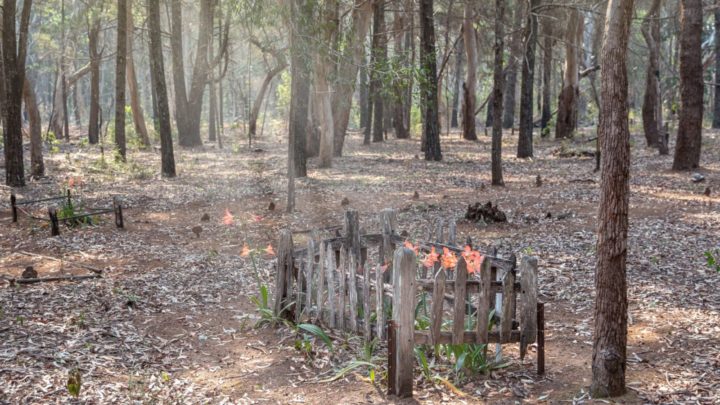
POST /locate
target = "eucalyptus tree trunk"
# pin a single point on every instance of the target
(716, 102)
(157, 70)
(497, 96)
(429, 85)
(37, 166)
(95, 58)
(379, 50)
(525, 140)
(120, 70)
(322, 101)
(457, 85)
(568, 100)
(400, 106)
(546, 113)
(610, 331)
(689, 137)
(516, 50)
(132, 83)
(469, 87)
(301, 73)
(652, 101)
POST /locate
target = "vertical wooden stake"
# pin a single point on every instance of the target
(321, 284)
(438, 299)
(392, 360)
(459, 307)
(484, 298)
(13, 205)
(508, 301)
(118, 213)
(352, 291)
(404, 317)
(330, 270)
(69, 198)
(310, 267)
(540, 338)
(54, 223)
(388, 221)
(452, 232)
(299, 296)
(283, 267)
(379, 303)
(528, 311)
(342, 283)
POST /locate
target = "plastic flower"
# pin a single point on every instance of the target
(228, 219)
(245, 251)
(431, 258)
(269, 250)
(410, 246)
(473, 258)
(449, 260)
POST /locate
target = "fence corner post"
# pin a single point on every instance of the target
(404, 322)
(117, 208)
(54, 223)
(283, 274)
(388, 222)
(13, 205)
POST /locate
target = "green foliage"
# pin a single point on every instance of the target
(713, 259)
(317, 332)
(53, 143)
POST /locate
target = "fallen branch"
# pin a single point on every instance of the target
(49, 279)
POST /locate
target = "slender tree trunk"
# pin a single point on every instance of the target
(568, 100)
(260, 96)
(457, 85)
(497, 98)
(610, 337)
(63, 81)
(323, 97)
(689, 138)
(157, 70)
(716, 102)
(516, 50)
(546, 114)
(212, 107)
(344, 86)
(120, 68)
(299, 89)
(525, 139)
(37, 166)
(95, 57)
(132, 84)
(380, 61)
(652, 101)
(402, 54)
(14, 46)
(429, 85)
(363, 101)
(469, 87)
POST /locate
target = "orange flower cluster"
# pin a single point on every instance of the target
(412, 247)
(473, 258)
(431, 258)
(228, 219)
(246, 251)
(449, 260)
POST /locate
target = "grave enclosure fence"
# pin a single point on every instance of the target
(336, 283)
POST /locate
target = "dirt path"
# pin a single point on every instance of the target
(172, 322)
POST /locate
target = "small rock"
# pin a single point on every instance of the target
(197, 230)
(416, 196)
(205, 217)
(482, 186)
(538, 181)
(29, 272)
(697, 178)
(345, 202)
(271, 206)
(707, 192)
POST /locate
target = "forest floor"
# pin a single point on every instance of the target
(171, 319)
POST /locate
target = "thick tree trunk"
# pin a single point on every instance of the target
(716, 102)
(610, 337)
(546, 113)
(497, 97)
(399, 105)
(120, 69)
(469, 87)
(689, 138)
(157, 66)
(568, 100)
(379, 50)
(37, 166)
(652, 124)
(363, 97)
(516, 49)
(14, 46)
(132, 83)
(429, 85)
(344, 86)
(525, 140)
(299, 89)
(57, 124)
(323, 95)
(95, 57)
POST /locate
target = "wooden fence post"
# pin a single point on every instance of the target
(330, 270)
(388, 222)
(321, 284)
(284, 267)
(484, 298)
(459, 307)
(352, 233)
(54, 223)
(13, 205)
(404, 318)
(540, 338)
(69, 198)
(508, 302)
(117, 208)
(528, 283)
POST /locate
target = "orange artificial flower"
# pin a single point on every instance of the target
(431, 258)
(71, 182)
(449, 260)
(410, 246)
(473, 258)
(228, 219)
(269, 250)
(245, 251)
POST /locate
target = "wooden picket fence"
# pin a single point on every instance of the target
(337, 283)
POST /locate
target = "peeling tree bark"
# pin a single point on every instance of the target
(469, 87)
(497, 97)
(37, 166)
(652, 101)
(525, 139)
(568, 100)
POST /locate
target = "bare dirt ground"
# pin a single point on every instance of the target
(171, 320)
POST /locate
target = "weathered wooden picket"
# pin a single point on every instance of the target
(337, 283)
